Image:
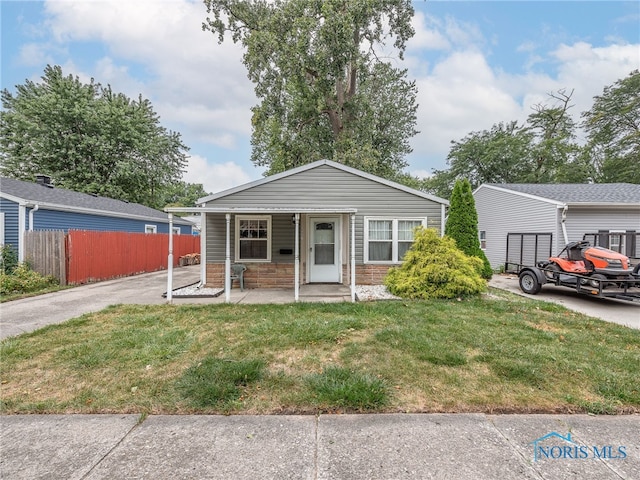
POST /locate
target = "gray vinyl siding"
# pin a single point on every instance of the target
(591, 220)
(321, 187)
(500, 213)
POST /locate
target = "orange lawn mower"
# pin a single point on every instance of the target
(588, 270)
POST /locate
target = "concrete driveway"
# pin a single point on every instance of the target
(615, 311)
(26, 315)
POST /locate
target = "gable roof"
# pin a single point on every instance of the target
(61, 199)
(310, 166)
(576, 193)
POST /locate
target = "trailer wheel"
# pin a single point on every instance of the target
(529, 283)
(552, 271)
(596, 279)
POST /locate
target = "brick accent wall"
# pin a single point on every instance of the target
(371, 274)
(281, 275)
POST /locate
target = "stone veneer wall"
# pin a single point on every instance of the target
(272, 275)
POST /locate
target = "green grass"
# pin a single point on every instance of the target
(496, 353)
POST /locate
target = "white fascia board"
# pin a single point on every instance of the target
(521, 194)
(12, 198)
(318, 163)
(604, 205)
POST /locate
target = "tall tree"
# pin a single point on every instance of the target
(324, 90)
(89, 139)
(542, 150)
(613, 129)
(462, 224)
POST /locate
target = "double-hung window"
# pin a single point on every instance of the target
(253, 238)
(388, 239)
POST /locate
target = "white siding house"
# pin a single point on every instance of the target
(610, 212)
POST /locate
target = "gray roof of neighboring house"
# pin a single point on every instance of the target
(80, 202)
(576, 193)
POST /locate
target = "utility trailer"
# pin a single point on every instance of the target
(531, 280)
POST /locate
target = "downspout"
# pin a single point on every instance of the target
(35, 208)
(22, 228)
(564, 227)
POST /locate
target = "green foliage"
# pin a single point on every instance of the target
(24, 280)
(613, 128)
(8, 259)
(435, 268)
(343, 388)
(324, 90)
(216, 382)
(88, 139)
(462, 224)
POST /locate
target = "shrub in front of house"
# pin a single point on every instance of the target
(462, 224)
(24, 280)
(435, 268)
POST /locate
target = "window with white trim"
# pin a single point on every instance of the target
(388, 239)
(253, 238)
(176, 230)
(150, 229)
(483, 239)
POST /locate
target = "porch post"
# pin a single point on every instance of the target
(353, 257)
(227, 262)
(203, 248)
(296, 276)
(170, 262)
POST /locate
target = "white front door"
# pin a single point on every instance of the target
(324, 250)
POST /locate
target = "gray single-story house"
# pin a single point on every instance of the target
(39, 206)
(607, 214)
(320, 223)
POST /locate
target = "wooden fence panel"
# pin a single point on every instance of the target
(93, 256)
(45, 252)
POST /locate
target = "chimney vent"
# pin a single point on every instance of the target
(44, 180)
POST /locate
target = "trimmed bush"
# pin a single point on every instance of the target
(24, 280)
(435, 268)
(462, 224)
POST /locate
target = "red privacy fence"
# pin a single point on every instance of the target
(93, 256)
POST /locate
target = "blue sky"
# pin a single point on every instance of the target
(476, 63)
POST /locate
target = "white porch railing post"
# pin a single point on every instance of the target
(227, 262)
(353, 257)
(170, 262)
(296, 286)
(203, 248)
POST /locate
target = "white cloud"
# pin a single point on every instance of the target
(215, 177)
(196, 85)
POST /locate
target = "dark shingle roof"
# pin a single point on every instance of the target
(574, 193)
(34, 192)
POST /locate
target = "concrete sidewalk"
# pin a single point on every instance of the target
(353, 447)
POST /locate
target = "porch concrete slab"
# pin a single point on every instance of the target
(604, 433)
(434, 446)
(214, 447)
(58, 446)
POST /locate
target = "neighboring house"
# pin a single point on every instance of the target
(320, 223)
(40, 206)
(607, 213)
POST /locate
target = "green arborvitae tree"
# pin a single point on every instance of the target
(325, 89)
(435, 268)
(462, 224)
(88, 139)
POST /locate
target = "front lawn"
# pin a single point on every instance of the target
(497, 353)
